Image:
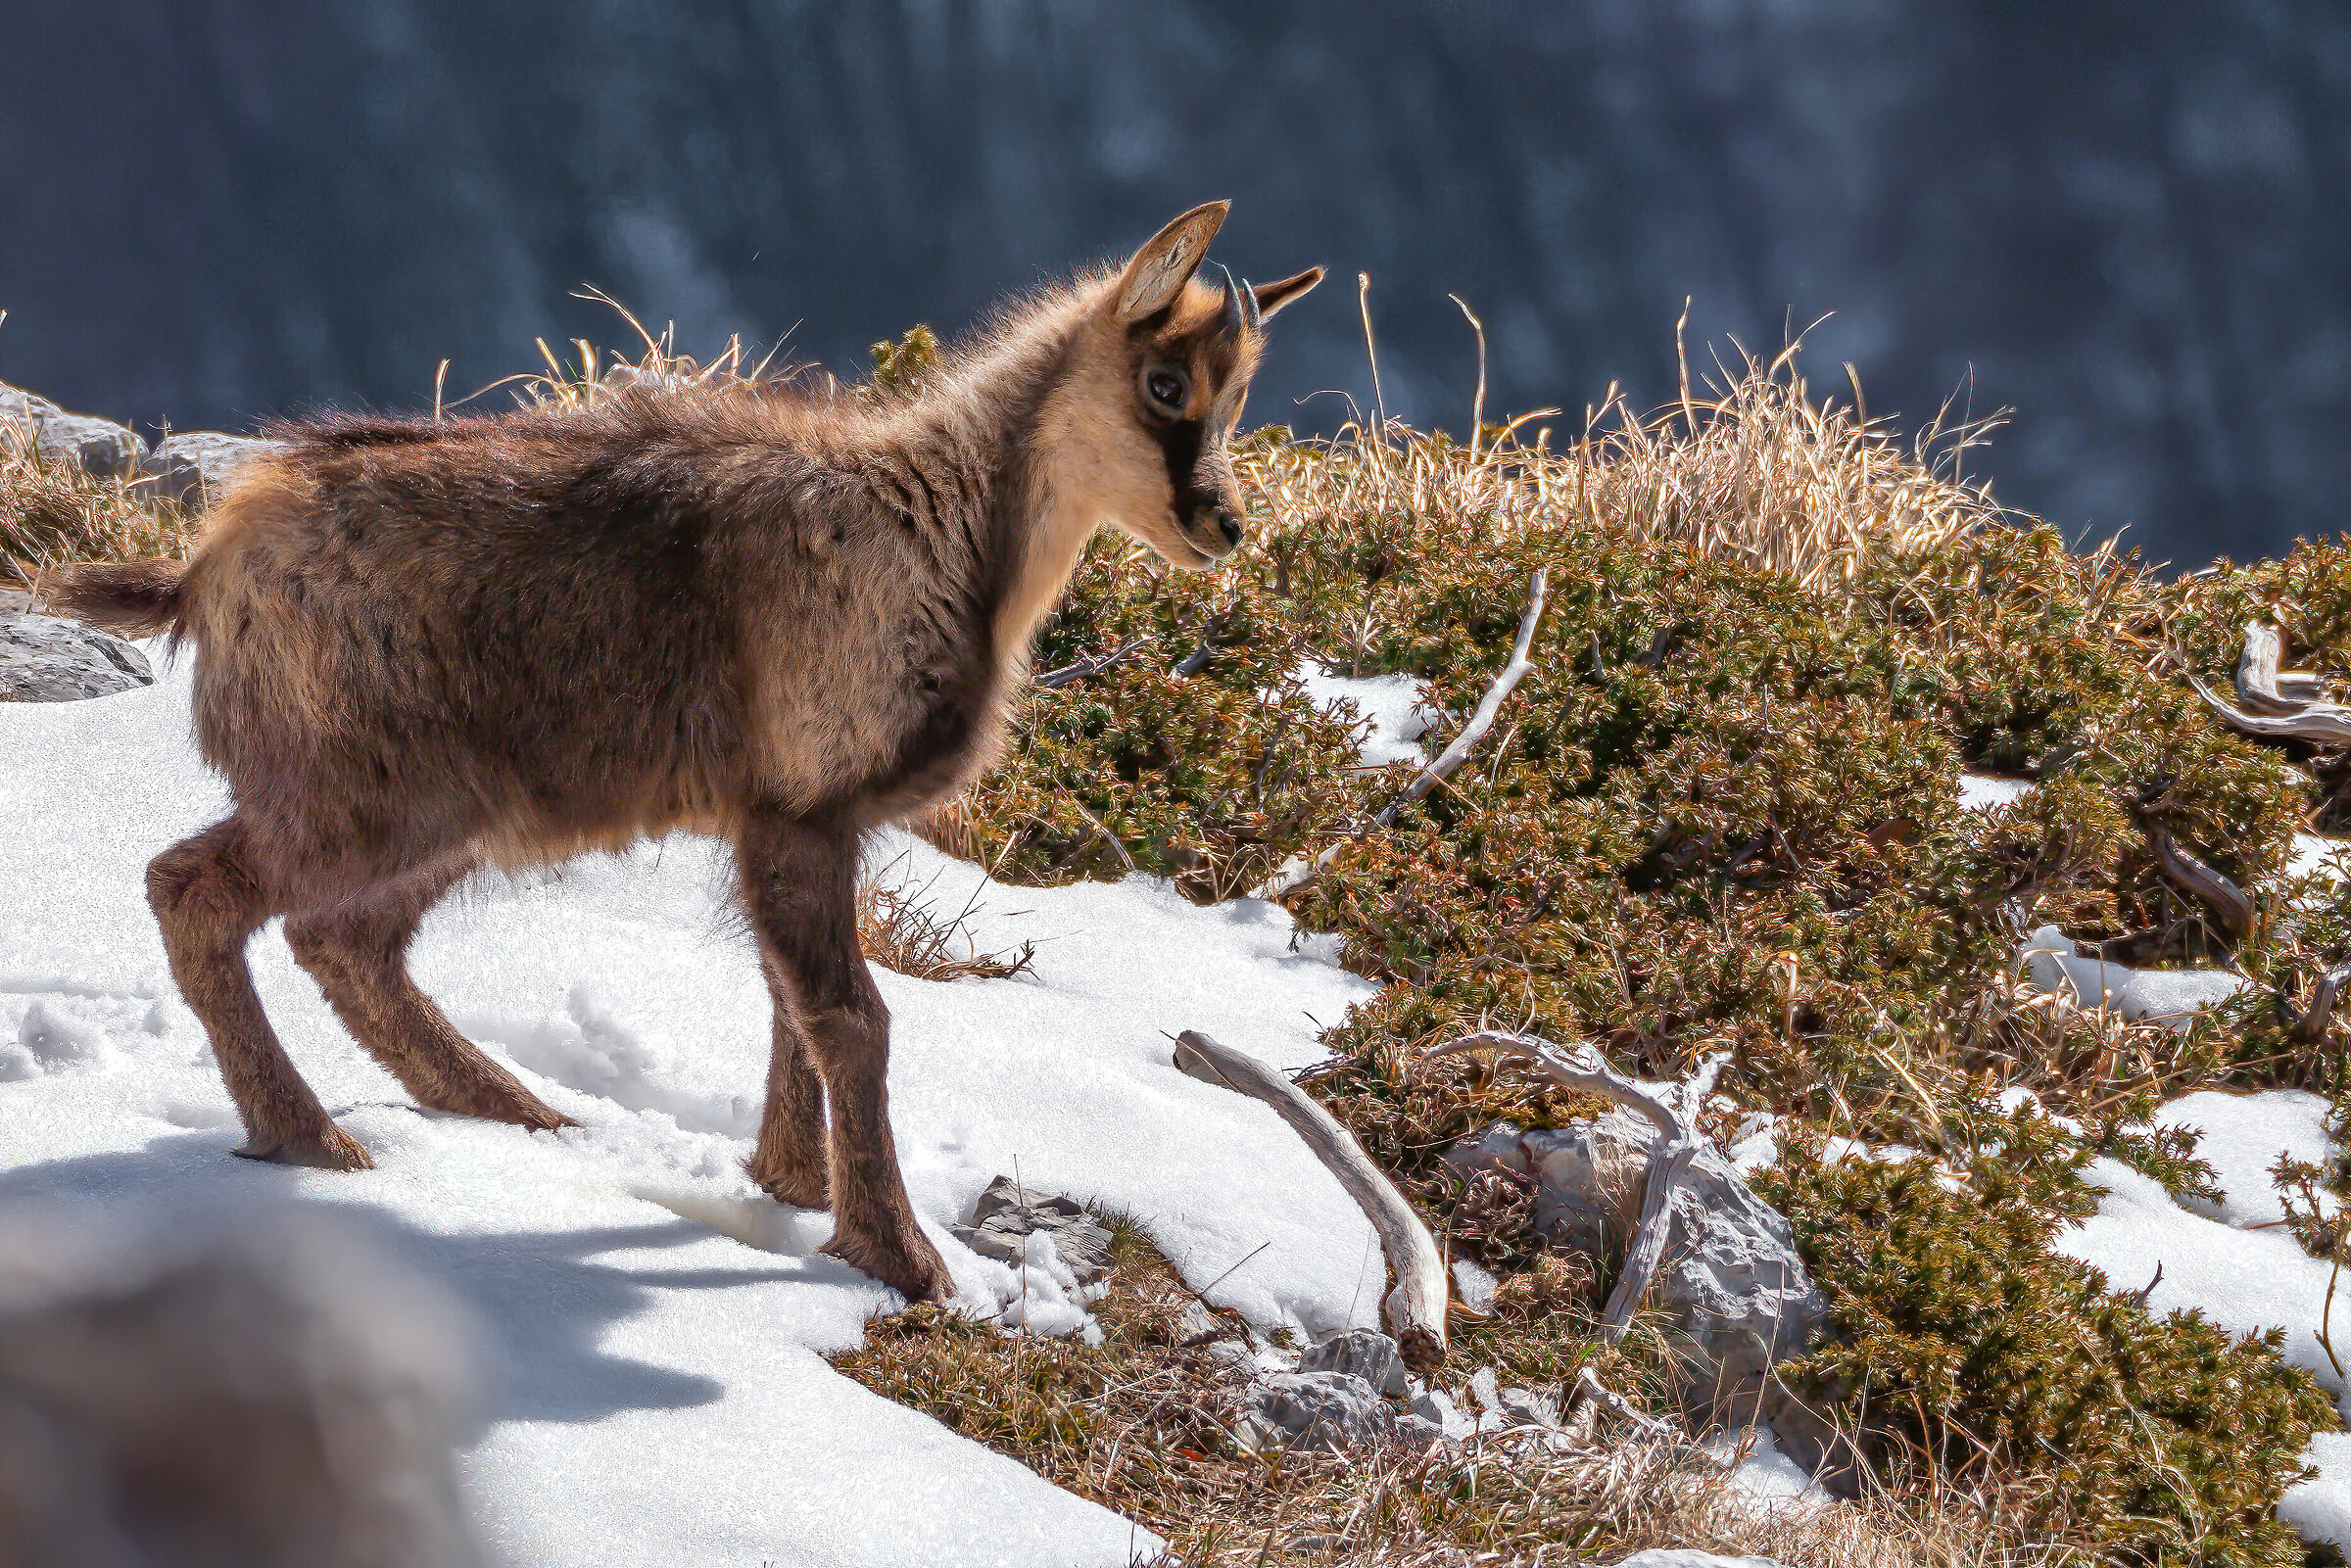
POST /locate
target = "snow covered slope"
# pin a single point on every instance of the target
(654, 1322)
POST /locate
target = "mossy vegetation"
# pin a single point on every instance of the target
(1723, 815)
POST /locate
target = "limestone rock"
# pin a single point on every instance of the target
(1690, 1557)
(1329, 1410)
(103, 450)
(44, 659)
(1006, 1214)
(1360, 1352)
(194, 466)
(1737, 1298)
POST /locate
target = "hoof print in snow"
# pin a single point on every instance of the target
(44, 659)
(1736, 1297)
(1007, 1216)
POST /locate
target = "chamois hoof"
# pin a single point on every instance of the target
(332, 1150)
(519, 1110)
(799, 1187)
(909, 1265)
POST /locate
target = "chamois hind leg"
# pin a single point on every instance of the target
(790, 1158)
(799, 887)
(210, 894)
(356, 950)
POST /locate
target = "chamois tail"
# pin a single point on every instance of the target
(130, 598)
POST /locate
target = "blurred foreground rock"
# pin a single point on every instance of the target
(275, 1395)
(45, 659)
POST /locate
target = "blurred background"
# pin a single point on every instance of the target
(2129, 221)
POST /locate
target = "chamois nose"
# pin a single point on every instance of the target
(1230, 527)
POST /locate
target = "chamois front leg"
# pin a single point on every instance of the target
(799, 887)
(789, 1160)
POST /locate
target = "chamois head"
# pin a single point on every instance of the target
(1170, 359)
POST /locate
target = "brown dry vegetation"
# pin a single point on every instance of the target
(1138, 1424)
(51, 513)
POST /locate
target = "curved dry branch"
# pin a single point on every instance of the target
(1415, 1307)
(2222, 896)
(2278, 706)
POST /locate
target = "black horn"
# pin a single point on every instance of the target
(1235, 316)
(1249, 311)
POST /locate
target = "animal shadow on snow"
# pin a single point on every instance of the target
(541, 1300)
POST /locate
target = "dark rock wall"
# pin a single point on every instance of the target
(2129, 220)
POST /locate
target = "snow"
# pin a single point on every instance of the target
(1982, 792)
(1764, 1476)
(657, 1392)
(2243, 1278)
(2170, 997)
(1392, 702)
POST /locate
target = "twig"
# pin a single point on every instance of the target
(2298, 716)
(1297, 873)
(1415, 1307)
(1082, 669)
(2224, 897)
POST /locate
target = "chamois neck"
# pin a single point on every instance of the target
(998, 409)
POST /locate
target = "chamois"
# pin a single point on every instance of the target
(782, 618)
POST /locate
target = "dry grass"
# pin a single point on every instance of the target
(1745, 464)
(902, 928)
(1138, 1424)
(52, 513)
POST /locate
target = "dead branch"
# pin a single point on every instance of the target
(2284, 707)
(1415, 1307)
(2222, 896)
(1580, 1066)
(1097, 663)
(2311, 1026)
(1489, 706)
(1297, 873)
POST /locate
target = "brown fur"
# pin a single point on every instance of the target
(776, 618)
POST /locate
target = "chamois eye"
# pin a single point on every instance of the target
(1165, 386)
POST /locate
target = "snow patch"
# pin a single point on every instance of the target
(1392, 702)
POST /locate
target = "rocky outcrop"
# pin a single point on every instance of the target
(1736, 1297)
(103, 450)
(43, 660)
(192, 468)
(1007, 1215)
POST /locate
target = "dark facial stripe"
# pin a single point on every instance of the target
(1180, 446)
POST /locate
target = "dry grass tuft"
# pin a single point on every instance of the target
(52, 513)
(900, 928)
(1138, 1424)
(1744, 466)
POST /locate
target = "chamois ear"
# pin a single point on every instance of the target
(1167, 261)
(1272, 296)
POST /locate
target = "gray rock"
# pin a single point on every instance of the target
(1419, 1431)
(1736, 1297)
(1006, 1216)
(194, 466)
(1690, 1557)
(1328, 1411)
(272, 1393)
(44, 659)
(1196, 1324)
(103, 450)
(1360, 1352)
